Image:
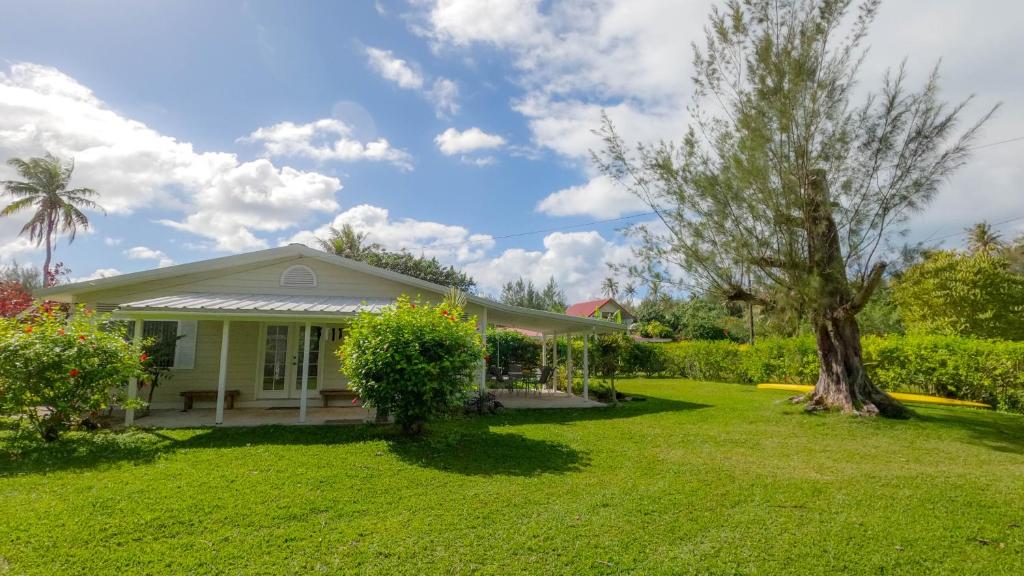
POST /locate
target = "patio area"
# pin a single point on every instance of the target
(338, 415)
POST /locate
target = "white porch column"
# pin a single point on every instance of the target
(133, 383)
(222, 378)
(586, 367)
(554, 361)
(305, 374)
(543, 349)
(481, 325)
(568, 363)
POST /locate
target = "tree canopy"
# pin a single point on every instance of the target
(784, 192)
(522, 292)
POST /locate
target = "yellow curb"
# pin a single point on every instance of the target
(903, 396)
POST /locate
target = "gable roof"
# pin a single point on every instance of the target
(586, 309)
(503, 311)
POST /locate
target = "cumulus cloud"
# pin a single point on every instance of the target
(577, 260)
(135, 167)
(452, 142)
(98, 274)
(600, 197)
(324, 140)
(443, 92)
(144, 253)
(450, 244)
(632, 59)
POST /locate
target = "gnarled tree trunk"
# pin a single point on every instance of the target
(843, 383)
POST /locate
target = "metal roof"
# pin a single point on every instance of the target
(274, 303)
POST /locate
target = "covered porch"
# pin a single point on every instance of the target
(269, 359)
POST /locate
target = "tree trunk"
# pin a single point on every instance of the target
(49, 253)
(843, 383)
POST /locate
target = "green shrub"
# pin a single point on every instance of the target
(970, 369)
(66, 365)
(413, 361)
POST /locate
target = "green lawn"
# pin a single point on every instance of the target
(698, 478)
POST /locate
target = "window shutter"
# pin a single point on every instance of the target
(185, 351)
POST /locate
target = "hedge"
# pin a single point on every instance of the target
(954, 367)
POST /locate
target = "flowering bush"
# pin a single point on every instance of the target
(56, 368)
(413, 360)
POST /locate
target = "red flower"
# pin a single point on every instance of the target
(355, 400)
(74, 372)
(81, 337)
(413, 306)
(60, 331)
(144, 357)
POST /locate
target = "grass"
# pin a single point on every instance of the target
(698, 478)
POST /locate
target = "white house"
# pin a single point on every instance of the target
(253, 325)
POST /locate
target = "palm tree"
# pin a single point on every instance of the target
(982, 239)
(57, 209)
(348, 243)
(610, 287)
(629, 290)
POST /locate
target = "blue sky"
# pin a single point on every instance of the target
(217, 127)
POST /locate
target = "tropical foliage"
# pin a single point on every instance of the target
(414, 361)
(962, 294)
(57, 369)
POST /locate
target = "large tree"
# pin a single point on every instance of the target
(522, 292)
(784, 191)
(58, 209)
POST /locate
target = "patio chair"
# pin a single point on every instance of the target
(515, 376)
(537, 384)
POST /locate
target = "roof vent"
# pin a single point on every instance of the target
(298, 276)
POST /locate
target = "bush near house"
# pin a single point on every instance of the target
(414, 361)
(989, 371)
(56, 368)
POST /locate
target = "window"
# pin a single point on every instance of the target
(175, 342)
(298, 276)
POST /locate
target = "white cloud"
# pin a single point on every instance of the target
(600, 197)
(323, 140)
(443, 92)
(577, 260)
(108, 241)
(451, 141)
(144, 253)
(97, 274)
(133, 166)
(448, 243)
(633, 59)
(392, 68)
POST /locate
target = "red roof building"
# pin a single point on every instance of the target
(605, 308)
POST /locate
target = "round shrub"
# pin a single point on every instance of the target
(413, 361)
(57, 368)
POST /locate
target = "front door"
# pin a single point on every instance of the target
(281, 360)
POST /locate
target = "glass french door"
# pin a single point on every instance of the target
(281, 360)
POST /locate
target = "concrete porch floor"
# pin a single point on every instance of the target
(335, 415)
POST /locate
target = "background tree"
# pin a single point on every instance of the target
(58, 210)
(962, 294)
(349, 243)
(783, 177)
(981, 238)
(610, 287)
(522, 292)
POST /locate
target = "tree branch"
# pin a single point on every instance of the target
(874, 278)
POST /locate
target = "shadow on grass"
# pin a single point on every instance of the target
(639, 406)
(459, 446)
(1000, 432)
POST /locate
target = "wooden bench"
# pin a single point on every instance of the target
(191, 396)
(329, 393)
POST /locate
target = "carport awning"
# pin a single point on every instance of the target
(258, 304)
